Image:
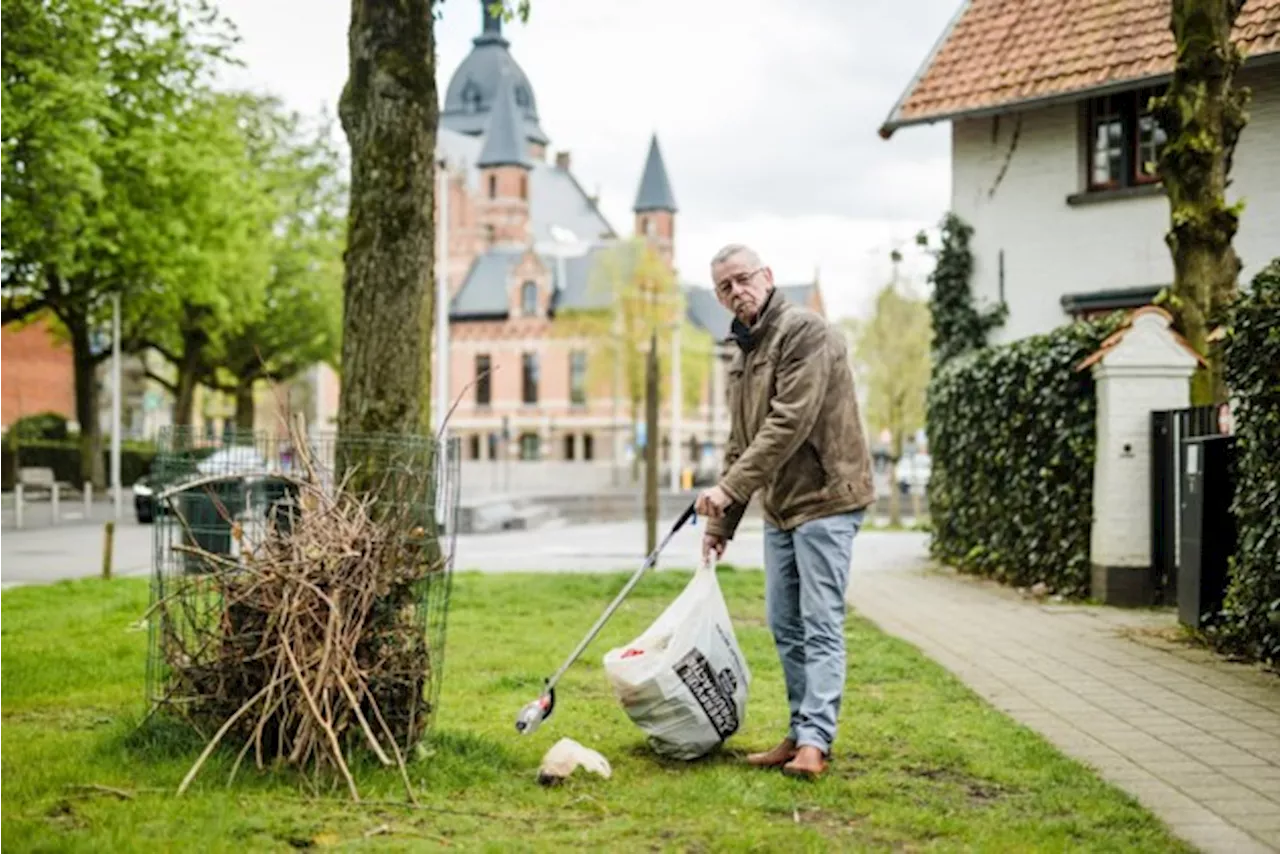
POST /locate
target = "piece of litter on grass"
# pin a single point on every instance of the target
(565, 757)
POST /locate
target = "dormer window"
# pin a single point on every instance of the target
(529, 299)
(471, 98)
(522, 97)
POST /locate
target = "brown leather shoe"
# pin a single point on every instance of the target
(780, 755)
(808, 763)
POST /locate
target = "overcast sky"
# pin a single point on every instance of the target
(766, 113)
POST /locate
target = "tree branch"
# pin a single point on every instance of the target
(13, 314)
(169, 385)
(163, 351)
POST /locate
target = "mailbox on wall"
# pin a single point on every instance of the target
(1208, 530)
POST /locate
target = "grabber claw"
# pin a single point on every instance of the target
(532, 715)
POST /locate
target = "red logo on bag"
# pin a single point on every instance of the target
(632, 652)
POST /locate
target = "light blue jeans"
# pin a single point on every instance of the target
(806, 575)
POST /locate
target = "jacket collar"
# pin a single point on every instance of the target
(748, 337)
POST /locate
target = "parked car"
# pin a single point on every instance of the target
(241, 460)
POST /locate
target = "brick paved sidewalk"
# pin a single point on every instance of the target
(1194, 738)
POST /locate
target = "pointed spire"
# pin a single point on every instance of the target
(655, 190)
(503, 139)
(490, 23)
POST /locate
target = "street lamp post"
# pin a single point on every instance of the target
(442, 303)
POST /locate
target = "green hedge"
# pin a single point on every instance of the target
(1012, 431)
(1250, 622)
(64, 459)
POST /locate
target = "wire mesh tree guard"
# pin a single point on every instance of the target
(300, 592)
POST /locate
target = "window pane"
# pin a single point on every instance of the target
(1107, 133)
(578, 377)
(1108, 148)
(530, 378)
(483, 388)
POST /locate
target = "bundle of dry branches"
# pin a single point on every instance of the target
(311, 641)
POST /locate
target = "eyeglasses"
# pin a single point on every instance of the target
(740, 280)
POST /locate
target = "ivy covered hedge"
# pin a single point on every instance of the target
(1012, 431)
(1250, 622)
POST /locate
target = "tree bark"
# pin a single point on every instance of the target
(85, 366)
(1202, 114)
(188, 378)
(245, 409)
(389, 113)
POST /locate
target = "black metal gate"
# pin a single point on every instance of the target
(1169, 429)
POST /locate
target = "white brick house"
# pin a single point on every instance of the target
(1064, 224)
(1053, 165)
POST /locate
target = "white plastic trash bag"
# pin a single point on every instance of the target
(684, 680)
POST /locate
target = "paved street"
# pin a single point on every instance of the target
(37, 514)
(75, 550)
(1196, 739)
(71, 550)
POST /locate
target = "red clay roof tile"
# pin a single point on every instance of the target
(1000, 52)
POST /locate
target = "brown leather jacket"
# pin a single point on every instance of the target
(795, 430)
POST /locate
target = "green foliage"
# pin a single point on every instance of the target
(42, 425)
(958, 327)
(1250, 622)
(293, 318)
(891, 352)
(102, 148)
(222, 200)
(890, 356)
(634, 296)
(1013, 435)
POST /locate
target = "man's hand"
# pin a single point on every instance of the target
(712, 544)
(712, 503)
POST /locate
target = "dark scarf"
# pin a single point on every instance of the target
(745, 336)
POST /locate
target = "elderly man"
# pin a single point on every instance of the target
(796, 436)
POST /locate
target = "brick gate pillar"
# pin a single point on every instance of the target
(1142, 368)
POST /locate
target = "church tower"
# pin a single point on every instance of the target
(504, 166)
(655, 206)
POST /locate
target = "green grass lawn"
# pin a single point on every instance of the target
(921, 764)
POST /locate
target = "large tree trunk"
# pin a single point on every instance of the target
(389, 112)
(185, 398)
(1202, 114)
(85, 366)
(244, 405)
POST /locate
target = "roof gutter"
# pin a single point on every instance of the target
(886, 130)
(923, 68)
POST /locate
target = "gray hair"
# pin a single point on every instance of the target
(732, 249)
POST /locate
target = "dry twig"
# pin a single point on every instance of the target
(310, 641)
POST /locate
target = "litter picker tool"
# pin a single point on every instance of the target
(532, 715)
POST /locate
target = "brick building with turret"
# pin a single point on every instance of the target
(523, 237)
